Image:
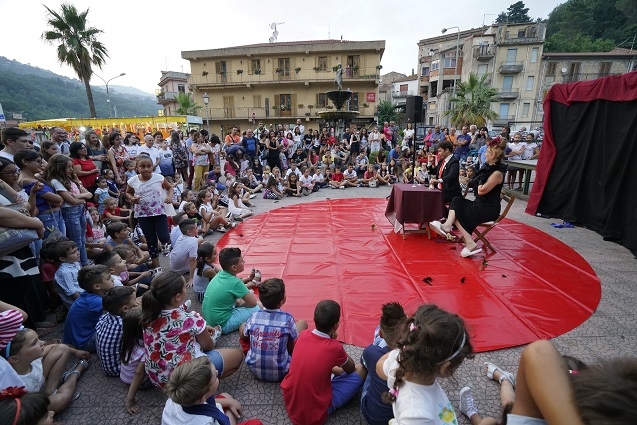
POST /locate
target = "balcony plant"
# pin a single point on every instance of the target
(239, 71)
(275, 107)
(365, 105)
(379, 67)
(329, 107)
(335, 68)
(316, 68)
(257, 71)
(310, 107)
(279, 70)
(300, 106)
(297, 69)
(355, 68)
(307, 114)
(204, 74)
(283, 107)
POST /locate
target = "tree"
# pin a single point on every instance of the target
(78, 45)
(472, 104)
(387, 111)
(187, 106)
(516, 13)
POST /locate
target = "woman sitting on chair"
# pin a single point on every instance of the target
(465, 214)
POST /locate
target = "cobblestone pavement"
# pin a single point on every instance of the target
(611, 331)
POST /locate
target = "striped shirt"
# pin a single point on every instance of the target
(108, 341)
(10, 324)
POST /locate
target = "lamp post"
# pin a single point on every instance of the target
(206, 99)
(485, 16)
(455, 69)
(108, 97)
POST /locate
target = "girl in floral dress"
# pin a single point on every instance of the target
(180, 156)
(144, 191)
(117, 155)
(173, 334)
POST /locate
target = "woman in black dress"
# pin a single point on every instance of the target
(272, 145)
(466, 214)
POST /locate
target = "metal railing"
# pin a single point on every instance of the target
(484, 51)
(403, 93)
(511, 67)
(508, 93)
(246, 113)
(167, 95)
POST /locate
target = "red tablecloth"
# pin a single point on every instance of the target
(408, 204)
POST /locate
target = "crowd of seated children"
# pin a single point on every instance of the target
(119, 234)
(321, 377)
(269, 334)
(212, 215)
(108, 330)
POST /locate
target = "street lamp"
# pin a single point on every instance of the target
(206, 99)
(455, 69)
(108, 97)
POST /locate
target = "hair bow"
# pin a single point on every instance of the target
(393, 392)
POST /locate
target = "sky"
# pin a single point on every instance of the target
(146, 37)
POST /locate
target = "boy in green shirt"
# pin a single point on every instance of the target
(224, 290)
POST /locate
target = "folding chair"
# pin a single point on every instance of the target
(480, 236)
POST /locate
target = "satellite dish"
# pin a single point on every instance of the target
(271, 39)
(275, 33)
(564, 70)
(273, 25)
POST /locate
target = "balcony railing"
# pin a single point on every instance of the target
(290, 75)
(508, 94)
(504, 120)
(507, 67)
(520, 40)
(484, 52)
(245, 113)
(403, 93)
(167, 96)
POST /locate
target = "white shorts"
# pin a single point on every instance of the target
(524, 420)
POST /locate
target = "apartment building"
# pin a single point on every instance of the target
(171, 84)
(281, 82)
(404, 87)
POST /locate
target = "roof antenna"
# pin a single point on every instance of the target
(341, 38)
(329, 26)
(275, 33)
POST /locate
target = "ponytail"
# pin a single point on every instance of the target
(162, 289)
(204, 251)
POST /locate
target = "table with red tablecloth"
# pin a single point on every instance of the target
(409, 204)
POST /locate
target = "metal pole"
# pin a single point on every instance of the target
(207, 119)
(108, 100)
(455, 70)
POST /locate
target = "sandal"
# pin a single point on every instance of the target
(504, 376)
(73, 370)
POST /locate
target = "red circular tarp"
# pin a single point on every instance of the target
(534, 287)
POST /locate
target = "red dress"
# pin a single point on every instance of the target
(87, 165)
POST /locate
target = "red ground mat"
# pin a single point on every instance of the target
(534, 287)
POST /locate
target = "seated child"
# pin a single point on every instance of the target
(175, 232)
(108, 331)
(41, 367)
(374, 409)
(253, 182)
(337, 181)
(119, 234)
(101, 193)
(135, 274)
(225, 288)
(212, 219)
(213, 177)
(270, 334)
(186, 196)
(133, 356)
(369, 177)
(190, 389)
(309, 391)
(272, 189)
(191, 212)
(66, 253)
(95, 242)
(114, 213)
(307, 183)
(183, 257)
(206, 256)
(79, 330)
(130, 172)
(351, 178)
(114, 264)
(32, 408)
(110, 181)
(319, 178)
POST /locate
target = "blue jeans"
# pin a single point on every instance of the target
(75, 221)
(52, 221)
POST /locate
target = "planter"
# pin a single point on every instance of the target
(239, 71)
(307, 114)
(297, 69)
(335, 68)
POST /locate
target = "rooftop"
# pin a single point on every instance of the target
(616, 52)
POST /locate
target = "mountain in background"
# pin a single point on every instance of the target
(41, 94)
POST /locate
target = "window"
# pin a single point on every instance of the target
(573, 71)
(522, 33)
(482, 69)
(321, 100)
(284, 67)
(534, 54)
(507, 83)
(529, 82)
(254, 65)
(322, 63)
(504, 111)
(425, 71)
(604, 69)
(435, 65)
(181, 88)
(450, 60)
(256, 101)
(220, 67)
(511, 56)
(353, 102)
(525, 110)
(550, 69)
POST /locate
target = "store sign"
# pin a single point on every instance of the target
(371, 97)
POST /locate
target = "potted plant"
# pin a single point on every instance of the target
(310, 107)
(355, 68)
(300, 106)
(239, 71)
(316, 68)
(365, 105)
(329, 107)
(379, 67)
(283, 107)
(275, 107)
(335, 68)
(279, 70)
(297, 69)
(257, 71)
(204, 74)
(307, 114)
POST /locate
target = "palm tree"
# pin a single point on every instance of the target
(78, 45)
(388, 111)
(187, 106)
(472, 104)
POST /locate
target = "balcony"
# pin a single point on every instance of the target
(424, 78)
(503, 120)
(403, 93)
(508, 94)
(245, 113)
(484, 52)
(305, 76)
(166, 97)
(507, 67)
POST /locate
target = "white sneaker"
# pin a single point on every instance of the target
(252, 196)
(466, 403)
(221, 229)
(342, 187)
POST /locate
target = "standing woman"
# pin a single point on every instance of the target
(96, 151)
(48, 149)
(47, 201)
(201, 160)
(354, 146)
(117, 154)
(83, 166)
(180, 156)
(272, 145)
(59, 171)
(131, 143)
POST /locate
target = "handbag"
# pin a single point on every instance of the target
(12, 239)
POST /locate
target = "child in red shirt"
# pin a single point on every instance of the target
(338, 179)
(309, 393)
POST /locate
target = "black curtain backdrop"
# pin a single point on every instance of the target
(593, 179)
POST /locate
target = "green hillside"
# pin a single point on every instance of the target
(41, 94)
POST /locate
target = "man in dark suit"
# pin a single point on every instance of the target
(447, 172)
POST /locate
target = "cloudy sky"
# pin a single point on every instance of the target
(145, 37)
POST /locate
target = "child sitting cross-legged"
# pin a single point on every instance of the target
(65, 251)
(309, 391)
(79, 330)
(41, 367)
(183, 257)
(270, 334)
(374, 409)
(191, 389)
(108, 331)
(225, 289)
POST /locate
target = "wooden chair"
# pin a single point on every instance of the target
(480, 235)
